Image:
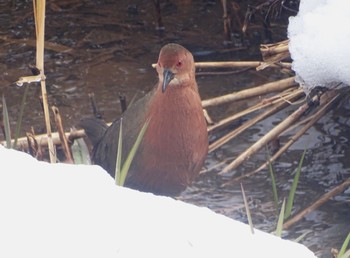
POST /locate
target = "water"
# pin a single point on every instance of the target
(110, 51)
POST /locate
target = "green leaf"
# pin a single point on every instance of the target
(342, 252)
(80, 152)
(279, 227)
(20, 118)
(119, 155)
(131, 154)
(6, 123)
(274, 185)
(294, 187)
(299, 238)
(345, 255)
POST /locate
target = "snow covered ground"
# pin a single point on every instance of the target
(61, 210)
(319, 43)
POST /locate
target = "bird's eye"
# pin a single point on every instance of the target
(179, 64)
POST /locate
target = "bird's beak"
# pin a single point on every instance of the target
(167, 77)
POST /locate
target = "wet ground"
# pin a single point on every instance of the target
(107, 48)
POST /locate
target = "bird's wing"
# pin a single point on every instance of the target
(94, 128)
(134, 117)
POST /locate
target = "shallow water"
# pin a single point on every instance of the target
(111, 49)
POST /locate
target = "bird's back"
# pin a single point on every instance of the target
(105, 139)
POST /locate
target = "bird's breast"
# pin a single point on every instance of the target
(176, 135)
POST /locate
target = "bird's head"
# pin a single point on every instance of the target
(175, 66)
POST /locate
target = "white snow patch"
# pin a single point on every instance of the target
(61, 210)
(319, 43)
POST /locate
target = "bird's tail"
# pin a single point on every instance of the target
(94, 128)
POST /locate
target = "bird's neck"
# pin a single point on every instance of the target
(176, 103)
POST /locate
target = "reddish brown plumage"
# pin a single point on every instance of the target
(175, 144)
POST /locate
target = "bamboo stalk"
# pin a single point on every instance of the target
(39, 15)
(324, 198)
(252, 92)
(323, 109)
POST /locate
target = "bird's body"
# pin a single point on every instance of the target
(175, 144)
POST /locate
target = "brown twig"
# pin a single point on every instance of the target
(323, 199)
(62, 136)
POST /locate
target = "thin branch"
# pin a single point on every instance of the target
(323, 199)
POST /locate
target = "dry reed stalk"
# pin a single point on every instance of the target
(324, 107)
(237, 64)
(42, 139)
(62, 136)
(277, 107)
(273, 53)
(277, 130)
(323, 199)
(39, 15)
(252, 92)
(268, 50)
(286, 96)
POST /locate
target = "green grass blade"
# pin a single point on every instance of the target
(342, 252)
(6, 123)
(249, 216)
(132, 153)
(119, 156)
(293, 189)
(20, 118)
(345, 255)
(279, 227)
(274, 186)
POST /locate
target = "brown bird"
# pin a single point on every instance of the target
(175, 144)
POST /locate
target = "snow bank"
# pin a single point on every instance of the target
(319, 43)
(75, 211)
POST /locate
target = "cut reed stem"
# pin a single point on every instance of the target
(62, 136)
(39, 15)
(252, 92)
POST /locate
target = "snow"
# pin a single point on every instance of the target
(62, 210)
(319, 43)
